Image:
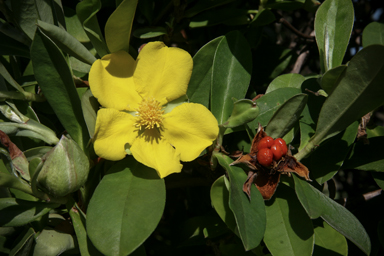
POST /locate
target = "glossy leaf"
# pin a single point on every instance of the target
(318, 205)
(86, 11)
(286, 116)
(331, 78)
(288, 80)
(328, 241)
(53, 242)
(220, 201)
(66, 42)
(249, 214)
(58, 87)
(243, 112)
(333, 27)
(327, 159)
(270, 103)
(125, 208)
(200, 84)
(231, 74)
(17, 212)
(119, 26)
(359, 91)
(289, 229)
(373, 34)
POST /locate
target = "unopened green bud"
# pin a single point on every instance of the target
(65, 169)
(244, 111)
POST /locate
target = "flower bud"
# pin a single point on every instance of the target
(65, 169)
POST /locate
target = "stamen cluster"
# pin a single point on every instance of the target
(149, 114)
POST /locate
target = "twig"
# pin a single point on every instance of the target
(294, 30)
(300, 62)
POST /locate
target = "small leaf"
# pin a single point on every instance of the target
(17, 212)
(333, 27)
(318, 205)
(199, 87)
(288, 80)
(58, 87)
(119, 26)
(243, 112)
(373, 34)
(25, 243)
(263, 17)
(331, 78)
(286, 116)
(66, 42)
(149, 32)
(53, 242)
(249, 214)
(328, 241)
(134, 197)
(289, 229)
(90, 105)
(220, 199)
(86, 11)
(231, 74)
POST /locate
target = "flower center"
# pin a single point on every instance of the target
(149, 114)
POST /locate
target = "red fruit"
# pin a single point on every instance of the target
(277, 152)
(282, 144)
(265, 156)
(265, 142)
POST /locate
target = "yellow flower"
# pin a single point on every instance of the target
(135, 117)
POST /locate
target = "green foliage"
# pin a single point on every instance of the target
(309, 72)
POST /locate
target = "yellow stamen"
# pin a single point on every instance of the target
(149, 114)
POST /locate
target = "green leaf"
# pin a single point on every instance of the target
(231, 74)
(359, 91)
(329, 242)
(90, 105)
(66, 42)
(55, 80)
(149, 32)
(288, 80)
(331, 78)
(119, 26)
(289, 229)
(215, 17)
(9, 46)
(327, 159)
(286, 116)
(74, 26)
(200, 84)
(373, 34)
(269, 103)
(318, 205)
(125, 208)
(5, 74)
(333, 27)
(220, 198)
(17, 212)
(53, 242)
(263, 17)
(243, 112)
(86, 11)
(367, 157)
(78, 222)
(249, 214)
(25, 14)
(203, 5)
(24, 245)
(10, 181)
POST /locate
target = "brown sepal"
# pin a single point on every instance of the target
(290, 164)
(14, 151)
(247, 159)
(259, 135)
(267, 183)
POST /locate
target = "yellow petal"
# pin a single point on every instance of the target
(162, 72)
(190, 128)
(154, 151)
(113, 130)
(111, 81)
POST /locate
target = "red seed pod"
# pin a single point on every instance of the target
(264, 157)
(277, 152)
(266, 142)
(282, 144)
